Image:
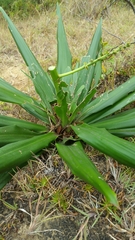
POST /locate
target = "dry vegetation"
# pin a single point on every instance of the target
(45, 190)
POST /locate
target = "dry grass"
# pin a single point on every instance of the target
(44, 197)
(40, 34)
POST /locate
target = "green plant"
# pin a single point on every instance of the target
(59, 199)
(70, 113)
(22, 8)
(25, 8)
(6, 4)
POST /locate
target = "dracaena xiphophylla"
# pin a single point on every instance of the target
(68, 109)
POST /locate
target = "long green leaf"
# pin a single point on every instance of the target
(121, 125)
(109, 99)
(62, 110)
(72, 83)
(5, 177)
(64, 58)
(10, 121)
(86, 76)
(124, 132)
(97, 73)
(8, 93)
(95, 117)
(73, 105)
(10, 134)
(82, 167)
(125, 119)
(121, 150)
(37, 111)
(15, 154)
(41, 80)
(82, 105)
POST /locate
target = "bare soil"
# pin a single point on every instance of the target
(81, 213)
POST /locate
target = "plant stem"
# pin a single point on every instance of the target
(105, 56)
(55, 77)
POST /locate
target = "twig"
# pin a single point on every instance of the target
(114, 35)
(131, 5)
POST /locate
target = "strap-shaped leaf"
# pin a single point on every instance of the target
(109, 99)
(83, 167)
(15, 154)
(64, 58)
(125, 132)
(62, 110)
(41, 80)
(73, 105)
(97, 74)
(95, 46)
(86, 76)
(82, 105)
(73, 83)
(10, 121)
(121, 125)
(121, 150)
(125, 119)
(5, 178)
(98, 116)
(37, 111)
(11, 134)
(8, 93)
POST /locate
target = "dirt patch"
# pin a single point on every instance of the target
(65, 208)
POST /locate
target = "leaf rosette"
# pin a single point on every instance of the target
(68, 110)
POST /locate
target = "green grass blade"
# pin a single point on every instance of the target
(64, 58)
(41, 80)
(121, 150)
(10, 121)
(82, 167)
(15, 154)
(9, 134)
